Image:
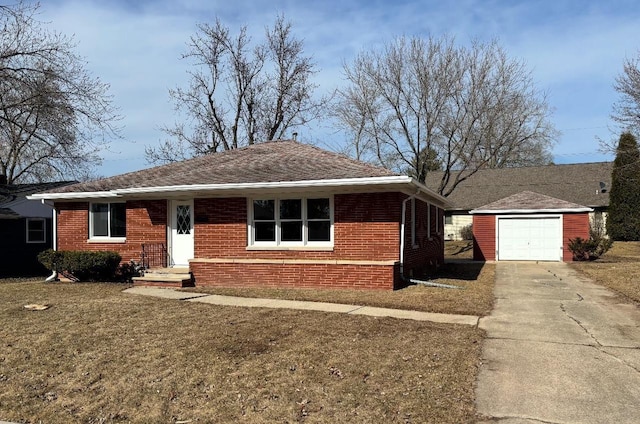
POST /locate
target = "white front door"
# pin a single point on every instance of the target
(181, 232)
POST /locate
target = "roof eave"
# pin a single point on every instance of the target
(396, 182)
(527, 211)
(73, 195)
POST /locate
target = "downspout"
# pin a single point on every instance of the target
(54, 237)
(402, 237)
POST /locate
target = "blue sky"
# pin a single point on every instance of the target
(574, 49)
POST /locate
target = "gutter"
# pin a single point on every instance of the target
(383, 183)
(402, 237)
(528, 211)
(54, 236)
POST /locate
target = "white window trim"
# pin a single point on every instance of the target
(44, 230)
(289, 245)
(103, 238)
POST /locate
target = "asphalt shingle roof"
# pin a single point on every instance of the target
(528, 200)
(272, 161)
(10, 192)
(576, 183)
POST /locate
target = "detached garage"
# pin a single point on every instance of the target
(528, 226)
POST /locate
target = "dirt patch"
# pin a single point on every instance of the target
(101, 356)
(618, 269)
(475, 297)
(458, 249)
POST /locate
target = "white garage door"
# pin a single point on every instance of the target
(529, 239)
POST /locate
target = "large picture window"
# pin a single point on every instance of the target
(290, 222)
(108, 220)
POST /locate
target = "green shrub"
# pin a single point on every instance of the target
(85, 266)
(466, 232)
(51, 259)
(591, 249)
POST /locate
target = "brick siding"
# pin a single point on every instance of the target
(573, 225)
(365, 252)
(484, 237)
(146, 223)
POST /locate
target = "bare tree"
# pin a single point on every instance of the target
(626, 111)
(54, 117)
(470, 108)
(239, 93)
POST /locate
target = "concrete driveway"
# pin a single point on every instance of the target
(560, 349)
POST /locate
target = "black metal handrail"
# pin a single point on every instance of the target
(154, 255)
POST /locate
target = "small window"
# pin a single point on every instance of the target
(36, 230)
(108, 220)
(448, 219)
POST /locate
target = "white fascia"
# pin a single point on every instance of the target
(527, 211)
(78, 195)
(396, 182)
(346, 182)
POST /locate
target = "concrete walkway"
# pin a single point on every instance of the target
(215, 299)
(560, 349)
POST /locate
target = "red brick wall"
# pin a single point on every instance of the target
(366, 227)
(146, 223)
(294, 275)
(428, 252)
(573, 225)
(484, 237)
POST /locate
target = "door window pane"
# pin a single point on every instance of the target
(183, 219)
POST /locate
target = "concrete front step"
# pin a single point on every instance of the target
(165, 277)
(174, 270)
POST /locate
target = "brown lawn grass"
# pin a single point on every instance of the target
(462, 249)
(618, 269)
(475, 298)
(101, 356)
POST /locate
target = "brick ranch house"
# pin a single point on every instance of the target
(279, 213)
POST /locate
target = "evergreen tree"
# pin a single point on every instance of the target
(623, 221)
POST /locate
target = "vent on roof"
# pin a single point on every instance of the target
(603, 188)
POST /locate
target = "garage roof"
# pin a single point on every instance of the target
(578, 183)
(529, 202)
